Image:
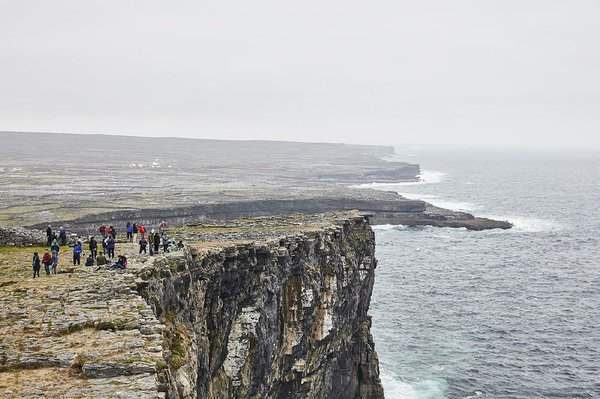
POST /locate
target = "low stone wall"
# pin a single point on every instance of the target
(21, 237)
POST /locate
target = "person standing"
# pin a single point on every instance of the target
(49, 234)
(143, 243)
(77, 250)
(36, 264)
(54, 261)
(110, 245)
(93, 247)
(103, 230)
(129, 229)
(47, 261)
(135, 232)
(55, 247)
(112, 232)
(63, 236)
(156, 242)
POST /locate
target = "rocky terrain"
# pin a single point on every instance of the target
(21, 237)
(112, 179)
(271, 307)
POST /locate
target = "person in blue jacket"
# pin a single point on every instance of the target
(77, 250)
(129, 232)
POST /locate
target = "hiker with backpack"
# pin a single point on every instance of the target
(120, 264)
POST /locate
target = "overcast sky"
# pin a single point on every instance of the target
(485, 72)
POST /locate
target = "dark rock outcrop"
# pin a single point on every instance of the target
(283, 318)
(21, 237)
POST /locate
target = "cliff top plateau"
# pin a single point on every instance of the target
(83, 180)
(271, 307)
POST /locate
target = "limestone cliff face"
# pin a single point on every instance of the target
(286, 318)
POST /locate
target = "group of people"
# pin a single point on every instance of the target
(152, 240)
(157, 239)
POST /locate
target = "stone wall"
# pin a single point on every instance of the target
(21, 236)
(286, 318)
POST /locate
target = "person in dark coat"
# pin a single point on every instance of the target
(110, 246)
(37, 265)
(156, 241)
(143, 243)
(63, 236)
(93, 247)
(49, 234)
(89, 261)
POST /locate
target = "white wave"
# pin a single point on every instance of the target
(454, 205)
(426, 177)
(424, 389)
(383, 227)
(529, 224)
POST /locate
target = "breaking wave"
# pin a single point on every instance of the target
(394, 388)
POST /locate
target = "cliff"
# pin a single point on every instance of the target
(271, 307)
(283, 318)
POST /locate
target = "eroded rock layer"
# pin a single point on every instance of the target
(283, 318)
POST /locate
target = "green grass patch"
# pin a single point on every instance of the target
(9, 249)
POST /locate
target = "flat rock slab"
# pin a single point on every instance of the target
(84, 334)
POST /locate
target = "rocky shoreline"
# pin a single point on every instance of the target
(184, 180)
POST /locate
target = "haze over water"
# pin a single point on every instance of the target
(493, 314)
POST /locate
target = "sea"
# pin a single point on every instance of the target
(493, 314)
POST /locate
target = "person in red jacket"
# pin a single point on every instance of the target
(47, 261)
(103, 230)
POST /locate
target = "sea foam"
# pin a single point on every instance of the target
(426, 177)
(529, 224)
(423, 389)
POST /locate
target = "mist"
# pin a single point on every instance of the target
(493, 74)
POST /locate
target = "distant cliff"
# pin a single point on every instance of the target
(284, 318)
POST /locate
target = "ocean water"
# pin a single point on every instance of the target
(493, 314)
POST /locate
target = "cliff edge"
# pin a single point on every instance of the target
(272, 307)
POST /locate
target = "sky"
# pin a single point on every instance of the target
(501, 73)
